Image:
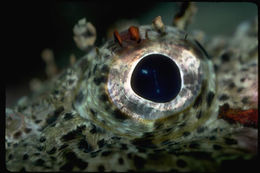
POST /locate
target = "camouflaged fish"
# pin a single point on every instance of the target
(152, 98)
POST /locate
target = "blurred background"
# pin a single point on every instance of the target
(49, 25)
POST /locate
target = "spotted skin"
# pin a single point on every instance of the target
(74, 126)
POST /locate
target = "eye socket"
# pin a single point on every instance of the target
(158, 77)
(111, 94)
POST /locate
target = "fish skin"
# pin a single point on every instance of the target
(62, 139)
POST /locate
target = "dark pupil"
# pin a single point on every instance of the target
(157, 78)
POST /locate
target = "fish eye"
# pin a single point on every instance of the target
(156, 78)
(142, 79)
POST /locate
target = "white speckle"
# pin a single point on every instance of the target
(144, 71)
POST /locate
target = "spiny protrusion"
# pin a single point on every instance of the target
(84, 34)
(51, 68)
(134, 33)
(184, 16)
(158, 24)
(121, 25)
(117, 38)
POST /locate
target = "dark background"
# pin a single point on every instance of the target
(35, 26)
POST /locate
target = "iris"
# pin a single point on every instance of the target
(157, 78)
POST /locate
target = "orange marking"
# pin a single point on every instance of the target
(134, 33)
(117, 37)
(246, 117)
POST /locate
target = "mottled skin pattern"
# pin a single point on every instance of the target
(71, 124)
